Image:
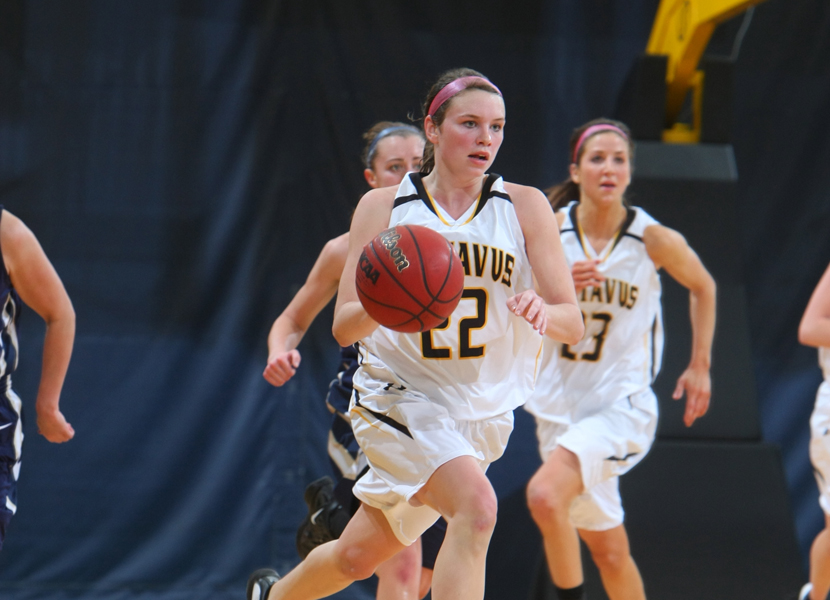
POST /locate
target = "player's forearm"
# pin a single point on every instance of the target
(57, 350)
(285, 335)
(702, 304)
(352, 323)
(564, 323)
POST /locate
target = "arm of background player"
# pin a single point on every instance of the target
(39, 286)
(351, 322)
(668, 249)
(556, 314)
(290, 327)
(814, 329)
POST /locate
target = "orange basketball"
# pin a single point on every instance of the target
(409, 278)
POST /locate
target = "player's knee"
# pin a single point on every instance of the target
(477, 516)
(354, 562)
(610, 558)
(546, 504)
(401, 573)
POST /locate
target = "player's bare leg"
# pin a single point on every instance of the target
(461, 492)
(366, 542)
(820, 562)
(550, 493)
(399, 578)
(612, 555)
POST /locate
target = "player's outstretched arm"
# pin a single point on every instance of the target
(39, 286)
(668, 249)
(351, 322)
(814, 329)
(290, 327)
(553, 311)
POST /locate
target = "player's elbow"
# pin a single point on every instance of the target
(805, 333)
(342, 333)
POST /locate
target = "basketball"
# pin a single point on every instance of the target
(409, 278)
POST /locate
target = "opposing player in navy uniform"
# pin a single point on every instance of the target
(432, 410)
(27, 275)
(392, 149)
(595, 411)
(814, 330)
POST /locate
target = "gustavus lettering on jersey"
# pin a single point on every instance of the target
(365, 265)
(475, 263)
(610, 291)
(389, 239)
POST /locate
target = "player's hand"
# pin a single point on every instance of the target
(52, 425)
(281, 367)
(532, 307)
(697, 384)
(586, 274)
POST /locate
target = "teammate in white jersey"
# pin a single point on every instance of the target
(432, 410)
(595, 412)
(815, 331)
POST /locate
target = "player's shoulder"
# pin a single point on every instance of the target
(524, 193)
(378, 197)
(336, 248)
(13, 231)
(529, 202)
(661, 241)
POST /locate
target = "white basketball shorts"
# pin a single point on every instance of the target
(608, 443)
(820, 444)
(405, 438)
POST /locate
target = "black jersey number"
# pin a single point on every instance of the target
(465, 329)
(599, 340)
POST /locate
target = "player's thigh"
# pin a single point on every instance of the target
(459, 485)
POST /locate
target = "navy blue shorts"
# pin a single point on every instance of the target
(8, 496)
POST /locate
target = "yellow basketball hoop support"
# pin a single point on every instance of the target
(681, 31)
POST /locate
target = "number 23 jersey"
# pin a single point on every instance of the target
(481, 362)
(621, 350)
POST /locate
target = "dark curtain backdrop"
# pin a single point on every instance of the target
(183, 163)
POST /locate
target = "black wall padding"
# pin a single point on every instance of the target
(642, 103)
(718, 97)
(693, 189)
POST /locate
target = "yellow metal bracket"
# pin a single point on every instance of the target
(681, 31)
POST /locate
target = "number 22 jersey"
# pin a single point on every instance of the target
(621, 350)
(481, 362)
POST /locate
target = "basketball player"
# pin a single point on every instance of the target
(815, 331)
(595, 412)
(392, 149)
(26, 274)
(432, 410)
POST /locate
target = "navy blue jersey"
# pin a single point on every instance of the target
(340, 389)
(11, 434)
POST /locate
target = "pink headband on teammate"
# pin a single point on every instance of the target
(596, 129)
(454, 87)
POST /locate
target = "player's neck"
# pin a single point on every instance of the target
(453, 194)
(600, 222)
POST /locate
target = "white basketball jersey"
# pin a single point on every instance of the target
(482, 361)
(621, 350)
(824, 362)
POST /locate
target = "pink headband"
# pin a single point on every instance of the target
(454, 87)
(596, 129)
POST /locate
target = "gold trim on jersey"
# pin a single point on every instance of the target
(435, 209)
(611, 245)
